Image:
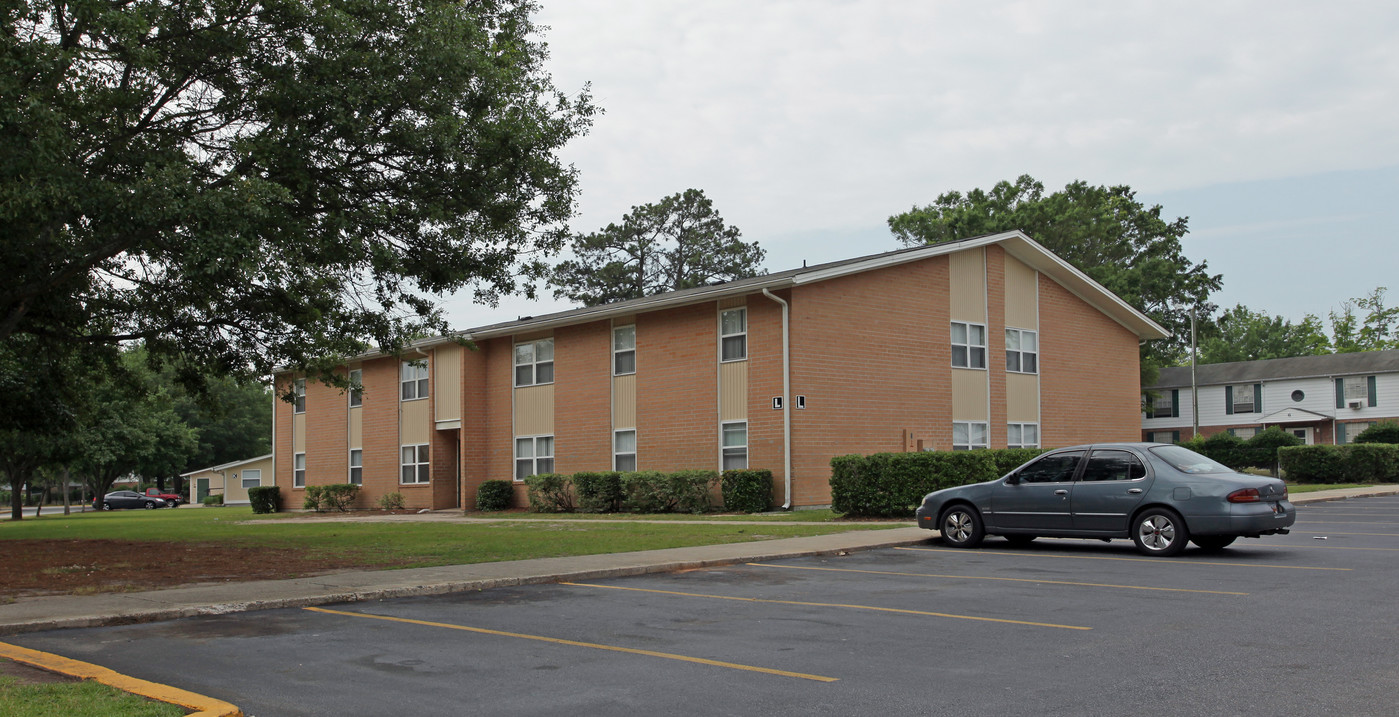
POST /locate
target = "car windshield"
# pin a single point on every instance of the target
(1188, 461)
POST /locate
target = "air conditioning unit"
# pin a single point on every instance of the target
(1356, 403)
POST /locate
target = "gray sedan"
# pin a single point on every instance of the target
(1160, 496)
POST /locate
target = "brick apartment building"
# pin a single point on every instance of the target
(986, 342)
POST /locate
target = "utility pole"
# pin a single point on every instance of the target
(1194, 389)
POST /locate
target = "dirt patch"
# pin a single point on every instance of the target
(29, 675)
(84, 567)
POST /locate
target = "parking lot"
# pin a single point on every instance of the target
(1296, 624)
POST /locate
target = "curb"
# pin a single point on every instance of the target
(202, 706)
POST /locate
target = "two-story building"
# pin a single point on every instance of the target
(986, 342)
(1321, 399)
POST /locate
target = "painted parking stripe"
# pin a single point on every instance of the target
(1158, 561)
(982, 577)
(1378, 535)
(1345, 522)
(1309, 546)
(575, 643)
(825, 604)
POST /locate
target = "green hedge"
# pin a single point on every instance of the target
(1260, 451)
(494, 495)
(550, 493)
(598, 492)
(1354, 463)
(213, 501)
(1384, 432)
(746, 491)
(265, 498)
(333, 496)
(893, 484)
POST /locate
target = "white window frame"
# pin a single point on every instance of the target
(534, 363)
(1252, 403)
(619, 351)
(618, 454)
(356, 476)
(244, 478)
(736, 451)
(298, 470)
(413, 380)
(1022, 354)
(298, 392)
(1164, 405)
(738, 338)
(971, 350)
(1361, 384)
(421, 463)
(356, 394)
(535, 458)
(1015, 435)
(970, 444)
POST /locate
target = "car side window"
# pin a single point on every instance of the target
(1113, 465)
(1058, 468)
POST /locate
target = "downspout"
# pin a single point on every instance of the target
(786, 396)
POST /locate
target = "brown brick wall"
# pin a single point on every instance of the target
(765, 446)
(380, 417)
(996, 343)
(583, 398)
(677, 384)
(1090, 376)
(327, 446)
(474, 415)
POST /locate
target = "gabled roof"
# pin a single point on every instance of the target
(1294, 415)
(226, 466)
(1326, 366)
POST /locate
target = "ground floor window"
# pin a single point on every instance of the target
(1022, 435)
(298, 472)
(356, 466)
(624, 450)
(1346, 432)
(252, 478)
(415, 465)
(1244, 433)
(734, 453)
(1165, 437)
(533, 455)
(968, 435)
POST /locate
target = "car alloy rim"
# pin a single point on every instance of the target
(1158, 532)
(959, 526)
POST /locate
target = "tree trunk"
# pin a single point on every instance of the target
(16, 498)
(67, 494)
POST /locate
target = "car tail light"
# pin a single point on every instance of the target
(1245, 495)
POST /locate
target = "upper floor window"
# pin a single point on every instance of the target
(623, 350)
(1243, 398)
(534, 362)
(1165, 405)
(414, 380)
(1022, 351)
(298, 389)
(1356, 391)
(733, 334)
(356, 388)
(1022, 435)
(968, 345)
(967, 435)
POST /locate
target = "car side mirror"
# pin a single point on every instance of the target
(1013, 479)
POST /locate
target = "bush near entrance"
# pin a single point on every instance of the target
(1354, 463)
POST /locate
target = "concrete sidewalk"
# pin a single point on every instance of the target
(65, 611)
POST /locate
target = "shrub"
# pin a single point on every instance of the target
(550, 493)
(494, 495)
(599, 492)
(1313, 464)
(1386, 432)
(1008, 459)
(213, 501)
(1371, 463)
(265, 498)
(646, 492)
(1261, 451)
(1224, 447)
(747, 491)
(392, 501)
(691, 490)
(893, 484)
(313, 500)
(338, 496)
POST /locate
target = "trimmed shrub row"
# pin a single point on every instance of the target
(265, 498)
(494, 495)
(689, 491)
(1260, 451)
(334, 496)
(1354, 463)
(893, 484)
(1382, 432)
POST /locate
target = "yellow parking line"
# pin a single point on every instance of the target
(826, 604)
(202, 706)
(980, 577)
(1158, 561)
(575, 643)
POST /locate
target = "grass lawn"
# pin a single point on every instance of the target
(824, 515)
(77, 699)
(1296, 488)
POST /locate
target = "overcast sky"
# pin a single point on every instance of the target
(1271, 125)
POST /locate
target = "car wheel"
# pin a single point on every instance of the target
(961, 527)
(174, 504)
(1213, 542)
(150, 505)
(1020, 541)
(106, 505)
(1160, 532)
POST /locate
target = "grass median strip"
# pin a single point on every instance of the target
(981, 577)
(576, 643)
(830, 604)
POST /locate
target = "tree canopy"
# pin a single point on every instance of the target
(1376, 329)
(1103, 231)
(1241, 334)
(677, 243)
(244, 184)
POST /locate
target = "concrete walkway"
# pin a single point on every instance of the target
(65, 611)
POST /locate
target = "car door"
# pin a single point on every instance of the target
(1036, 497)
(1113, 482)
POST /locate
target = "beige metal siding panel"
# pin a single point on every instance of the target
(624, 402)
(534, 410)
(969, 395)
(1022, 398)
(355, 434)
(733, 391)
(234, 492)
(415, 422)
(1022, 295)
(298, 433)
(446, 396)
(967, 277)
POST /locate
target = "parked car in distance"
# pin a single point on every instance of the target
(118, 499)
(1161, 496)
(171, 498)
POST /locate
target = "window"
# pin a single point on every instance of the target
(414, 464)
(1244, 433)
(1112, 466)
(1356, 391)
(1165, 437)
(533, 455)
(1056, 468)
(356, 466)
(1022, 351)
(735, 448)
(414, 380)
(1298, 396)
(623, 350)
(624, 450)
(1165, 405)
(968, 345)
(733, 334)
(252, 478)
(967, 435)
(298, 389)
(1243, 398)
(534, 362)
(298, 473)
(1346, 432)
(1023, 435)
(356, 388)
